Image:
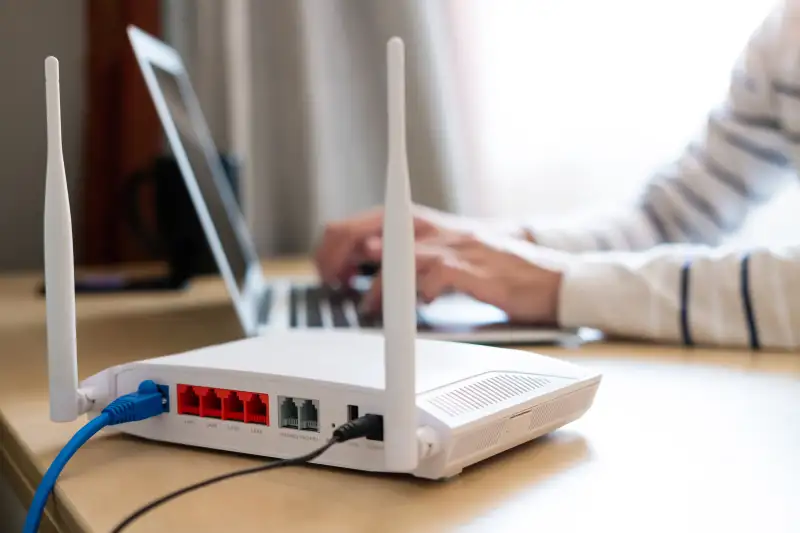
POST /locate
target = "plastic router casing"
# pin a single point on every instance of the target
(479, 401)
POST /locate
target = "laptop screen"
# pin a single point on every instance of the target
(215, 190)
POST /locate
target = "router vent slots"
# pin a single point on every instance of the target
(224, 404)
(299, 413)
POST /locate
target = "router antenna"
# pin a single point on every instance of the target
(66, 401)
(399, 281)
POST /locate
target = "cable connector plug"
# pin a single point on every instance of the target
(369, 426)
(148, 401)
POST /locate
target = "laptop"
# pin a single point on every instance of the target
(264, 303)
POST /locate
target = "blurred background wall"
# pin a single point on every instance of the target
(518, 108)
(29, 31)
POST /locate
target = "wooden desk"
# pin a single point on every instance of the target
(678, 441)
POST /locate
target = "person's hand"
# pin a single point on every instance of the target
(350, 242)
(518, 277)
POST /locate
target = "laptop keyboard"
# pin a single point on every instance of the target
(264, 304)
(318, 307)
(325, 307)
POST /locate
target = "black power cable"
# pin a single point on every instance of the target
(367, 425)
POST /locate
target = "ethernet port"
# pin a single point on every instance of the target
(210, 403)
(256, 408)
(309, 415)
(232, 405)
(188, 401)
(289, 413)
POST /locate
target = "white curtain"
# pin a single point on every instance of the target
(297, 90)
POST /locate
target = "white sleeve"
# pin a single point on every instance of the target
(739, 160)
(688, 295)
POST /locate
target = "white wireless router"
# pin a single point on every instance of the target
(444, 405)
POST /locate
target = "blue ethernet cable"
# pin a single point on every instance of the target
(150, 400)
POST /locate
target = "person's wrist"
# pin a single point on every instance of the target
(540, 301)
(552, 295)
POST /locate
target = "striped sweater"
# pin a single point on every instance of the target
(659, 271)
